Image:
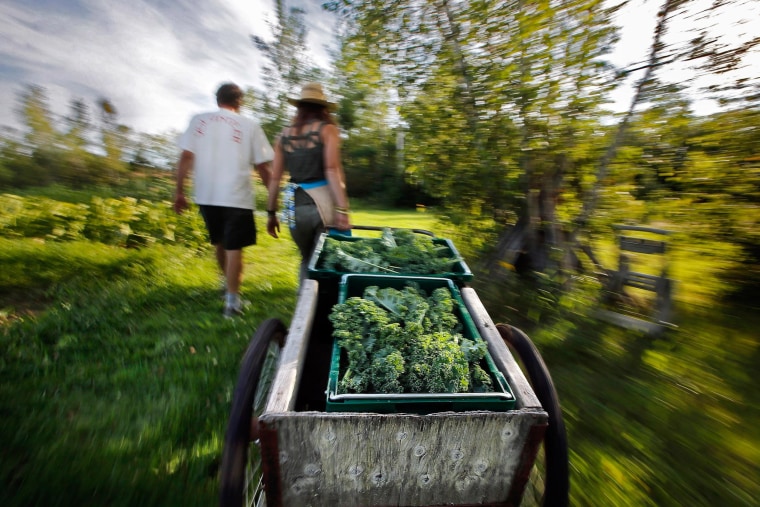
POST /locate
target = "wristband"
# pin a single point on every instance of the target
(272, 212)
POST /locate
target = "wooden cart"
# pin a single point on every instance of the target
(283, 449)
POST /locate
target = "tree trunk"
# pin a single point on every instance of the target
(536, 231)
(509, 247)
(589, 204)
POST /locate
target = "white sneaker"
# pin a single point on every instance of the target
(231, 312)
(236, 310)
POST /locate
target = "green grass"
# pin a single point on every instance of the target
(117, 393)
(117, 368)
(664, 421)
(651, 421)
(117, 371)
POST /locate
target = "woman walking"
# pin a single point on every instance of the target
(315, 197)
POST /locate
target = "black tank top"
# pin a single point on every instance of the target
(304, 155)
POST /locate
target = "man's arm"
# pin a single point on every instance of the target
(184, 167)
(265, 171)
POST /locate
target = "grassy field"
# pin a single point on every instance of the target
(117, 369)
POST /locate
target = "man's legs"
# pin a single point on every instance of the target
(213, 216)
(231, 265)
(233, 305)
(230, 230)
(233, 271)
(221, 258)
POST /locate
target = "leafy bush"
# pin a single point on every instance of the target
(123, 221)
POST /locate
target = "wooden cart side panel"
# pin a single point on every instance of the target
(361, 459)
(270, 465)
(502, 357)
(282, 397)
(522, 473)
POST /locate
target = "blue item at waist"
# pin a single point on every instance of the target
(312, 184)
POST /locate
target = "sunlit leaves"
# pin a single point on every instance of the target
(488, 90)
(115, 221)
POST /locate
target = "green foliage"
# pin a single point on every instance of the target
(437, 364)
(494, 102)
(123, 221)
(21, 170)
(286, 68)
(697, 176)
(371, 169)
(402, 341)
(373, 147)
(105, 404)
(638, 407)
(397, 251)
(357, 325)
(387, 368)
(77, 151)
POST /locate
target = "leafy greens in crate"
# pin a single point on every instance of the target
(402, 341)
(396, 251)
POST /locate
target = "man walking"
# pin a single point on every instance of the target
(220, 147)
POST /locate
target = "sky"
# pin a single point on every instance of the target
(157, 61)
(160, 61)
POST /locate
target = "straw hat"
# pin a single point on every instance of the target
(312, 93)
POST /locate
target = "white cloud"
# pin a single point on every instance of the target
(160, 61)
(157, 65)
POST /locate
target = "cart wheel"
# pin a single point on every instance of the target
(549, 482)
(241, 477)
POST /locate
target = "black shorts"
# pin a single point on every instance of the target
(233, 228)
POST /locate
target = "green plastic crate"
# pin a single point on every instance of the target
(460, 271)
(501, 400)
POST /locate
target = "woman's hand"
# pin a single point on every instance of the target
(342, 221)
(273, 226)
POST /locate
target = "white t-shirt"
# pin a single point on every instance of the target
(226, 145)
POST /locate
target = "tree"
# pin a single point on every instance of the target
(41, 143)
(37, 117)
(76, 158)
(708, 56)
(287, 68)
(115, 142)
(78, 123)
(365, 111)
(501, 105)
(495, 99)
